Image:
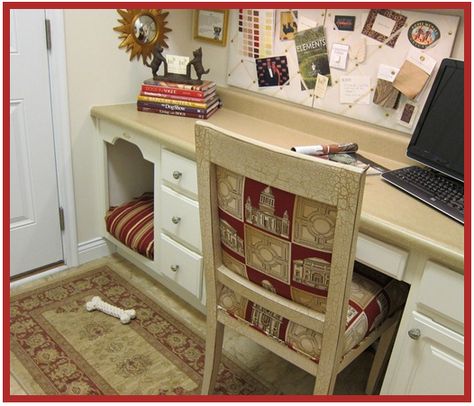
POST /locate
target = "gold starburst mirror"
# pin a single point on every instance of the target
(141, 30)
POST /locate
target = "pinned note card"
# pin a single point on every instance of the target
(354, 90)
(321, 86)
(339, 54)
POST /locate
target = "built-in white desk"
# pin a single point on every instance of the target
(399, 235)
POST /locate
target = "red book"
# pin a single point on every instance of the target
(146, 92)
(180, 89)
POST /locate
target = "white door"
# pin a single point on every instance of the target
(35, 234)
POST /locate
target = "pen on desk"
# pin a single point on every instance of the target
(325, 149)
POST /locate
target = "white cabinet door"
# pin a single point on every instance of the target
(35, 234)
(432, 360)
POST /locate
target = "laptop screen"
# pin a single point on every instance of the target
(438, 140)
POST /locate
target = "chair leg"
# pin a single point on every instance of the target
(325, 381)
(382, 355)
(214, 340)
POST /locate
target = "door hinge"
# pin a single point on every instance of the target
(61, 219)
(47, 25)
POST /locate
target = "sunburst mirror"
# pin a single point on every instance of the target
(141, 30)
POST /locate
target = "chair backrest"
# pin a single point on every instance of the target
(280, 229)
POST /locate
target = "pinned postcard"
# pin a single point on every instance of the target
(339, 54)
(354, 90)
(321, 86)
(288, 25)
(384, 26)
(345, 23)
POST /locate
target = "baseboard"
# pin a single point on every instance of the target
(94, 249)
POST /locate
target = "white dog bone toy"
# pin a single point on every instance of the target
(96, 303)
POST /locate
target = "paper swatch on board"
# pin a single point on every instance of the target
(256, 28)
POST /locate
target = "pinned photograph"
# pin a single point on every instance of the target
(384, 26)
(272, 71)
(288, 25)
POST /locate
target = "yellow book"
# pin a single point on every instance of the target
(177, 102)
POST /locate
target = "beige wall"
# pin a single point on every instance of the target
(100, 73)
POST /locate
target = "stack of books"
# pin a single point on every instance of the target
(179, 99)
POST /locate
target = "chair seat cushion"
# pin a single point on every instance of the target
(373, 298)
(132, 224)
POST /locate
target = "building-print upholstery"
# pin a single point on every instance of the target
(283, 243)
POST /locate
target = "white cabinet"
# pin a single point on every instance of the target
(180, 239)
(433, 359)
(428, 358)
(134, 163)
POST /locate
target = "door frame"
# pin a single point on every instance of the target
(61, 129)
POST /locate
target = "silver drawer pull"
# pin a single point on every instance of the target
(414, 333)
(175, 219)
(177, 174)
(174, 268)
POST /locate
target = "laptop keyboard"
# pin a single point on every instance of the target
(439, 191)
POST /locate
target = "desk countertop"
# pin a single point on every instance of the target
(387, 213)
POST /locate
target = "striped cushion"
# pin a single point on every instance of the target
(132, 224)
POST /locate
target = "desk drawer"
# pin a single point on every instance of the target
(382, 257)
(179, 172)
(443, 291)
(181, 265)
(179, 216)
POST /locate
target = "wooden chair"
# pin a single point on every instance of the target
(279, 232)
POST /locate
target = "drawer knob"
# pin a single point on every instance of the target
(177, 175)
(414, 333)
(175, 219)
(174, 268)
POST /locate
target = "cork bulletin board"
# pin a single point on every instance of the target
(362, 48)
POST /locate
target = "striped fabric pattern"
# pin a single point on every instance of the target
(132, 224)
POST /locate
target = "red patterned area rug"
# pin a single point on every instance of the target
(68, 350)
